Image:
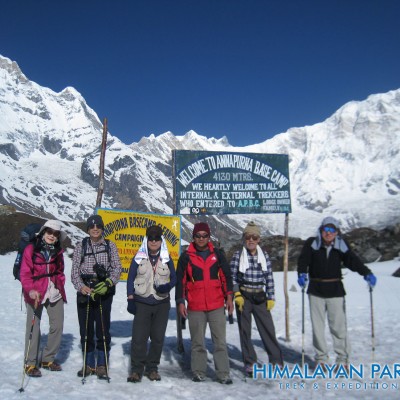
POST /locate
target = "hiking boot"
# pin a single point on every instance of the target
(198, 378)
(225, 381)
(32, 371)
(51, 366)
(153, 375)
(248, 370)
(134, 378)
(101, 372)
(88, 371)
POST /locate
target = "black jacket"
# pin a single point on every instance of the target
(325, 273)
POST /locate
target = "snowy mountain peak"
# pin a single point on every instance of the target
(12, 69)
(347, 166)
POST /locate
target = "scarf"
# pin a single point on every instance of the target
(47, 250)
(244, 261)
(143, 252)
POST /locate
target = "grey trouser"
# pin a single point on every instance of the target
(335, 309)
(150, 322)
(266, 330)
(55, 311)
(197, 325)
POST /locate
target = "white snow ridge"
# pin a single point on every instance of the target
(347, 166)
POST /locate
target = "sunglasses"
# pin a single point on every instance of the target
(53, 232)
(200, 236)
(329, 229)
(154, 239)
(254, 237)
(91, 226)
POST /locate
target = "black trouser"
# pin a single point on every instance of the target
(150, 322)
(266, 330)
(94, 322)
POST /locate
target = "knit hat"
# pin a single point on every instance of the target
(330, 221)
(56, 226)
(252, 229)
(201, 227)
(95, 220)
(154, 231)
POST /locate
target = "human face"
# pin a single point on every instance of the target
(251, 242)
(51, 236)
(154, 243)
(328, 233)
(201, 240)
(95, 232)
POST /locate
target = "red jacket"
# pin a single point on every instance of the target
(204, 284)
(34, 264)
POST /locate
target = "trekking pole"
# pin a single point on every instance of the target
(104, 340)
(302, 328)
(372, 324)
(28, 348)
(86, 338)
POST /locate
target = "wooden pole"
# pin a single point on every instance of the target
(102, 159)
(285, 276)
(180, 322)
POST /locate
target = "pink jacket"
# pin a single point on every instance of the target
(34, 265)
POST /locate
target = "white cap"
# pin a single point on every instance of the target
(56, 226)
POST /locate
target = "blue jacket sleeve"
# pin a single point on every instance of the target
(172, 273)
(130, 289)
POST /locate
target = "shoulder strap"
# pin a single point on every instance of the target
(50, 274)
(83, 249)
(84, 253)
(108, 250)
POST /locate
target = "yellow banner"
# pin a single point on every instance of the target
(127, 230)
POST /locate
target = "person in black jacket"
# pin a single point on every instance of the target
(322, 259)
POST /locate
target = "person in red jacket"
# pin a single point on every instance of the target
(204, 282)
(43, 281)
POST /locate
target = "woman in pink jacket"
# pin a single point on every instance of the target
(43, 281)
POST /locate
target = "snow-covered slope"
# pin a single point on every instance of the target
(347, 166)
(174, 367)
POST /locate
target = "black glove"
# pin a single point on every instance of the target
(131, 306)
(165, 288)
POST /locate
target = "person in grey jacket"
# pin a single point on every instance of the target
(320, 262)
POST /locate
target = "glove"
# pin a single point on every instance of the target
(102, 287)
(302, 280)
(131, 306)
(371, 279)
(270, 304)
(165, 288)
(239, 301)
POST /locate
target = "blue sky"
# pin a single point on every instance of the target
(246, 69)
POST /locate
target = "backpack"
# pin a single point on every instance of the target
(28, 235)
